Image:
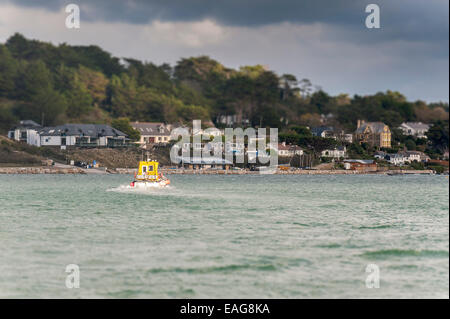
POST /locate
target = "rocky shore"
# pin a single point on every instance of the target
(41, 170)
(77, 170)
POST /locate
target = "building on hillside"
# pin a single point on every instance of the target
(417, 129)
(380, 155)
(337, 152)
(152, 132)
(348, 138)
(204, 163)
(79, 135)
(232, 120)
(331, 132)
(360, 165)
(375, 134)
(412, 156)
(24, 130)
(397, 159)
(323, 131)
(288, 150)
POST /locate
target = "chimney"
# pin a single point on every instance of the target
(360, 122)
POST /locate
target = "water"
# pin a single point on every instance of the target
(225, 236)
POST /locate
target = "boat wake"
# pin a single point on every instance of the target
(138, 190)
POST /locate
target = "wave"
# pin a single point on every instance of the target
(376, 227)
(386, 253)
(203, 270)
(329, 246)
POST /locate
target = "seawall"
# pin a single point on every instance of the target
(77, 170)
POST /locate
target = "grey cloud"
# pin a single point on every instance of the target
(410, 51)
(401, 20)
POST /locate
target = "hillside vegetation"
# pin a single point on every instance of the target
(57, 84)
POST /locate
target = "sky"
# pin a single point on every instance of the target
(324, 41)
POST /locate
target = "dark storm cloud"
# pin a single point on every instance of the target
(409, 20)
(230, 12)
(323, 40)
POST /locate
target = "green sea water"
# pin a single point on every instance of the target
(259, 236)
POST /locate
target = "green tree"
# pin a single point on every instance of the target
(438, 135)
(8, 72)
(123, 124)
(410, 144)
(79, 101)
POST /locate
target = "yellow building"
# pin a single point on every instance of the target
(374, 133)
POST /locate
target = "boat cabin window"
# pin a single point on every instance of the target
(144, 169)
(150, 168)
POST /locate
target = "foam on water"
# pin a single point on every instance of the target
(149, 189)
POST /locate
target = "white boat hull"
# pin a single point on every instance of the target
(145, 184)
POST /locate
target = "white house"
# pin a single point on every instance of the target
(287, 150)
(337, 152)
(417, 156)
(82, 135)
(417, 129)
(397, 159)
(24, 131)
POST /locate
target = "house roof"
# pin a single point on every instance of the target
(417, 126)
(152, 129)
(359, 161)
(92, 130)
(27, 124)
(396, 155)
(288, 147)
(375, 127)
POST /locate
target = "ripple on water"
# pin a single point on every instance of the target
(215, 269)
(388, 253)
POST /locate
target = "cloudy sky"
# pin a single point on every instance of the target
(324, 41)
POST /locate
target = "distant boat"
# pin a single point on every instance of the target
(148, 176)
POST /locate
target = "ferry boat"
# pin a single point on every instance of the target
(148, 176)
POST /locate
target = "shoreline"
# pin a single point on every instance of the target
(76, 170)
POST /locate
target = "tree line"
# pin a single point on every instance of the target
(56, 84)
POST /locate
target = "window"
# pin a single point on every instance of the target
(144, 169)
